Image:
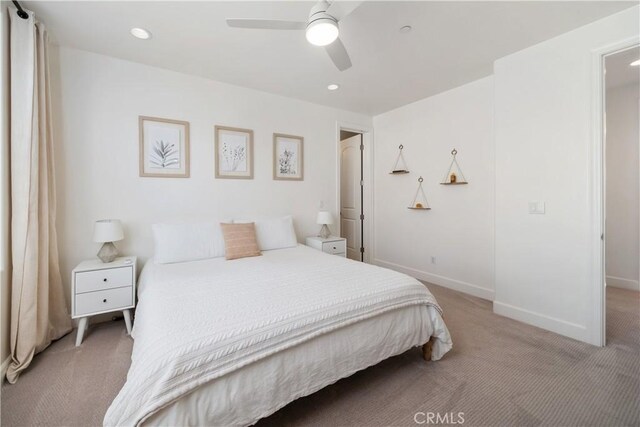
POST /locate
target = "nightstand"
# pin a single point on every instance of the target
(331, 245)
(99, 287)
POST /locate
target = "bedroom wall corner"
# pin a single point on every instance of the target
(5, 250)
(543, 137)
(99, 100)
(452, 245)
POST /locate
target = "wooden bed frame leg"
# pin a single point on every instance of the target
(426, 349)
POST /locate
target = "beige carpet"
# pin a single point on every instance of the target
(500, 372)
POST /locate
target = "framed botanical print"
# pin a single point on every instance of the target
(288, 157)
(233, 152)
(164, 147)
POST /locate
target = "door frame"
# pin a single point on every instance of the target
(598, 186)
(367, 171)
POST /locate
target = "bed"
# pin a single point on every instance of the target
(220, 342)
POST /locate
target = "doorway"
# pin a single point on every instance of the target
(352, 193)
(620, 187)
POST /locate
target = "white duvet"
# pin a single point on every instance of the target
(206, 329)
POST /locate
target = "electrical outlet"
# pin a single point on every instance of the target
(433, 260)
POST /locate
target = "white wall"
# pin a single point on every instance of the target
(543, 124)
(5, 253)
(459, 230)
(622, 143)
(100, 99)
(523, 135)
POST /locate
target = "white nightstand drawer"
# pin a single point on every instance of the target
(99, 301)
(334, 248)
(90, 281)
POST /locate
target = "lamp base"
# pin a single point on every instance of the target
(324, 231)
(108, 252)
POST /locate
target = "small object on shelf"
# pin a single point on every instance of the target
(420, 199)
(451, 177)
(401, 165)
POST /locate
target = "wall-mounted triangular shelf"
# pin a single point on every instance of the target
(454, 175)
(420, 199)
(400, 166)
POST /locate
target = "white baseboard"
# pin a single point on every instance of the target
(3, 368)
(619, 282)
(456, 285)
(559, 326)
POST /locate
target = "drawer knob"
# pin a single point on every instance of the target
(104, 280)
(334, 247)
(104, 300)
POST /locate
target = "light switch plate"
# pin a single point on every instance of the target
(536, 208)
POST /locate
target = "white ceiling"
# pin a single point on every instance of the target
(452, 43)
(619, 72)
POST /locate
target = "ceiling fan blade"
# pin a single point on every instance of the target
(340, 9)
(338, 54)
(266, 24)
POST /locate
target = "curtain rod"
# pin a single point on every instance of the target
(21, 13)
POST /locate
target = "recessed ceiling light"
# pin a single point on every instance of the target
(635, 63)
(406, 29)
(140, 33)
(333, 86)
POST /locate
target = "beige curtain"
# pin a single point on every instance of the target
(38, 309)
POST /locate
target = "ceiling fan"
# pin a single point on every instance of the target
(321, 28)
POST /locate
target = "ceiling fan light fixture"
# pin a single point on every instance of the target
(322, 32)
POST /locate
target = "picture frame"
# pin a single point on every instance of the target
(288, 157)
(164, 147)
(233, 153)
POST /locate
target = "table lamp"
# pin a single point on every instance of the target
(324, 218)
(107, 231)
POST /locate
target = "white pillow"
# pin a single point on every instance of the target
(275, 233)
(187, 241)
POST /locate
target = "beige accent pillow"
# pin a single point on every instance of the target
(240, 240)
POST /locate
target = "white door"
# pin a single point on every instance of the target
(351, 195)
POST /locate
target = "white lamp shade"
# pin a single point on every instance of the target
(108, 230)
(324, 217)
